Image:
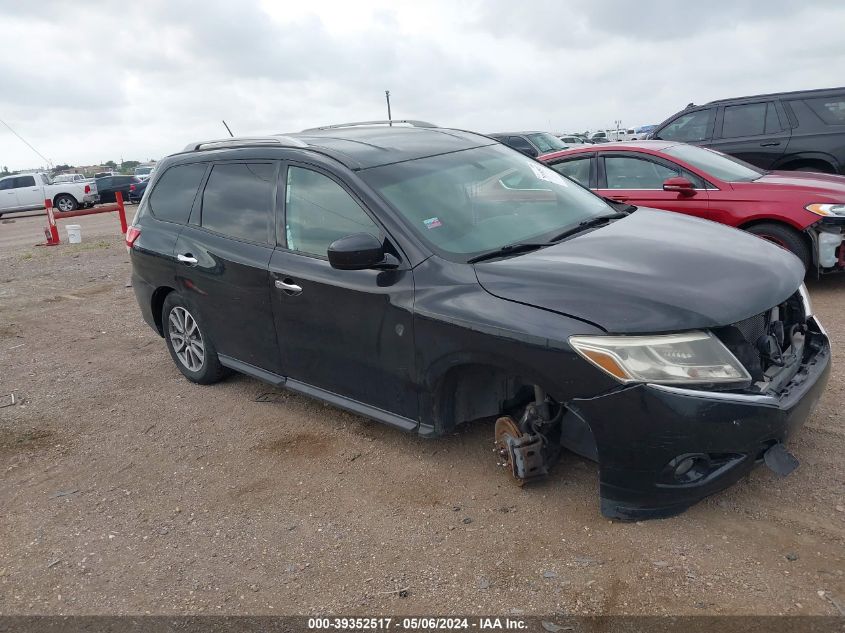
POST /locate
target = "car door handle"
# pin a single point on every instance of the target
(772, 144)
(187, 258)
(288, 286)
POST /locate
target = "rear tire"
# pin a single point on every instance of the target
(189, 343)
(65, 203)
(785, 237)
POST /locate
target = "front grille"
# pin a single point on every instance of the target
(758, 341)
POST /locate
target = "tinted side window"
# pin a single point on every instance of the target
(635, 173)
(7, 184)
(517, 142)
(578, 169)
(693, 126)
(175, 191)
(24, 181)
(772, 120)
(744, 120)
(238, 200)
(831, 110)
(319, 211)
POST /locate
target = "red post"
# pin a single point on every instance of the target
(53, 234)
(121, 212)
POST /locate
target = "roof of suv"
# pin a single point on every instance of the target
(365, 146)
(797, 94)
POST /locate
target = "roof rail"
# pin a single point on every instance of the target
(245, 141)
(411, 122)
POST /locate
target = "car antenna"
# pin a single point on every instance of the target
(227, 128)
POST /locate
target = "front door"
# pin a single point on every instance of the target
(223, 254)
(638, 179)
(349, 332)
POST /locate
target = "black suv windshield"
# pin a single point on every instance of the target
(476, 200)
(546, 142)
(717, 165)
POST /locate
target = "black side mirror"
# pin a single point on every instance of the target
(531, 152)
(358, 251)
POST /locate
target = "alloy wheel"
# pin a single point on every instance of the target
(186, 338)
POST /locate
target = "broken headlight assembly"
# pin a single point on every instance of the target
(689, 357)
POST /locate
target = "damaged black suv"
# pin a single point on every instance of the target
(424, 277)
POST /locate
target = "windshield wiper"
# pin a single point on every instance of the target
(507, 249)
(587, 224)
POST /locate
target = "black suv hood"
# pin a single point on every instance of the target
(653, 271)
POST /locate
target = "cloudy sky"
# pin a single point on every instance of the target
(89, 81)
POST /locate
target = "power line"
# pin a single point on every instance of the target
(49, 162)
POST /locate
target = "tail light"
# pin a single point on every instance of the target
(87, 188)
(131, 187)
(132, 234)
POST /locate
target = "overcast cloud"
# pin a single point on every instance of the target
(86, 82)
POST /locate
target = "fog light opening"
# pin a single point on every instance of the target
(689, 468)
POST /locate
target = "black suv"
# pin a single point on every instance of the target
(801, 131)
(530, 143)
(425, 277)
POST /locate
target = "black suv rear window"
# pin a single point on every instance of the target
(174, 193)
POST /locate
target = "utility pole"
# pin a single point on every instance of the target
(389, 117)
(617, 122)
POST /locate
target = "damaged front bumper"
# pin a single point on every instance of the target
(661, 449)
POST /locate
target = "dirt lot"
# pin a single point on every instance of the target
(126, 489)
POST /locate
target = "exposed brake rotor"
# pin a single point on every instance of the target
(505, 434)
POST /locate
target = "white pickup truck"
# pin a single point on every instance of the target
(28, 191)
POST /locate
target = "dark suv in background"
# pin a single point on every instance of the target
(425, 277)
(531, 144)
(802, 131)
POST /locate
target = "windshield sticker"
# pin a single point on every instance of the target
(432, 223)
(549, 175)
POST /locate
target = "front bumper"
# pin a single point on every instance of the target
(644, 432)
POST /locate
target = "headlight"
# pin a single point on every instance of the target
(691, 357)
(837, 210)
(805, 299)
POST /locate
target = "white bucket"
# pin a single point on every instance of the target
(74, 233)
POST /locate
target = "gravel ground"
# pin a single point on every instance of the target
(126, 489)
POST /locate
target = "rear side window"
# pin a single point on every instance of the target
(319, 211)
(174, 192)
(831, 110)
(24, 181)
(690, 127)
(238, 200)
(745, 120)
(578, 169)
(7, 184)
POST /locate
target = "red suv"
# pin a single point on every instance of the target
(803, 212)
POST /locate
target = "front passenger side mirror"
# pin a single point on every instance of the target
(358, 251)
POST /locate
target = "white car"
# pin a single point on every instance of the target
(22, 192)
(69, 178)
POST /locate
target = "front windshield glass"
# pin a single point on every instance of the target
(546, 142)
(716, 164)
(478, 200)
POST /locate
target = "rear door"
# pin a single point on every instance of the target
(29, 192)
(580, 168)
(638, 179)
(223, 254)
(8, 195)
(104, 188)
(754, 132)
(348, 332)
